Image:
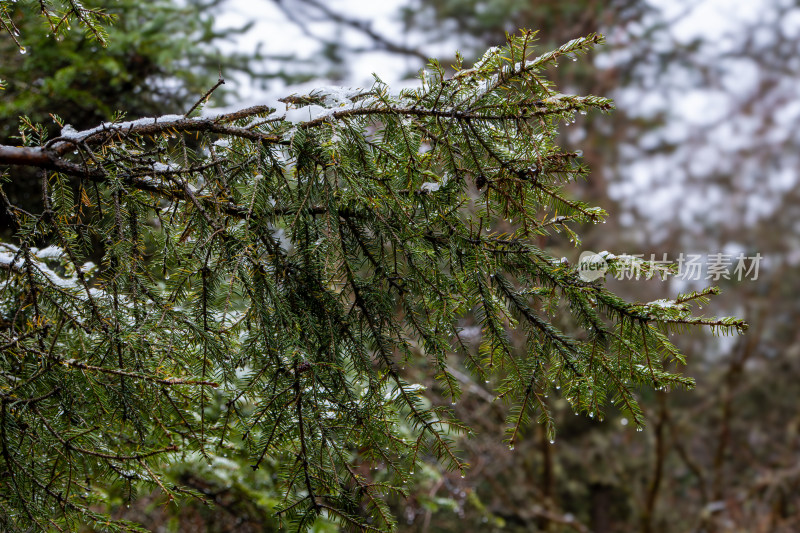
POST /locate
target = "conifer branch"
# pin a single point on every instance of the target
(291, 260)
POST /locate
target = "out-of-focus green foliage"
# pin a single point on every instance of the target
(159, 57)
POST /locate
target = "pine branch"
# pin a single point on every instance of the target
(293, 261)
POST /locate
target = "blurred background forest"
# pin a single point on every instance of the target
(702, 156)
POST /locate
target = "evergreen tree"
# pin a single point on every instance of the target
(692, 459)
(155, 59)
(268, 272)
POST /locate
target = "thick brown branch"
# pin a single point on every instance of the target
(167, 124)
(50, 157)
(39, 158)
(437, 113)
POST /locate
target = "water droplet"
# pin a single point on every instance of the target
(463, 476)
(574, 58)
(640, 429)
(624, 421)
(591, 415)
(552, 441)
(511, 447)
(23, 50)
